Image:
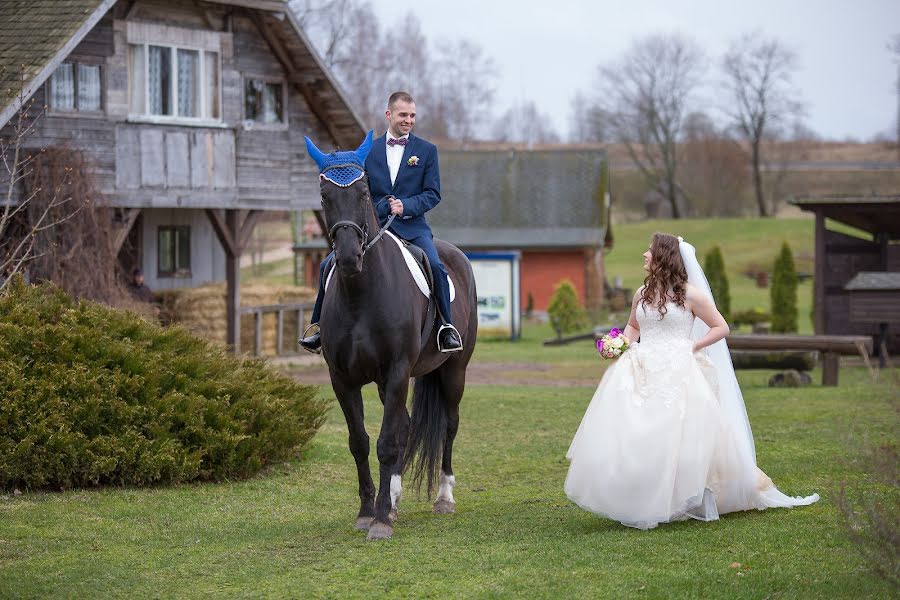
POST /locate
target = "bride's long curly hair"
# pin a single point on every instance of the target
(667, 278)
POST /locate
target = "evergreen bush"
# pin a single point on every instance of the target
(784, 292)
(714, 266)
(565, 310)
(90, 395)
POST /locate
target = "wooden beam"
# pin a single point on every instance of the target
(220, 226)
(233, 286)
(284, 57)
(121, 234)
(248, 224)
(819, 276)
(278, 6)
(322, 225)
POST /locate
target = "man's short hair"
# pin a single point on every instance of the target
(399, 96)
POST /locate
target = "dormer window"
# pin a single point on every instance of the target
(264, 101)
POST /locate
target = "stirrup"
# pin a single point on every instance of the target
(306, 334)
(458, 335)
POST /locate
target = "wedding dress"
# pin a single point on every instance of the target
(666, 435)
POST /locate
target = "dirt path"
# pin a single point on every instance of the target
(312, 370)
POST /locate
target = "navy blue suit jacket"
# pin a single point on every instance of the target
(418, 186)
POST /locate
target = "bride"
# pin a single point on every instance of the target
(666, 435)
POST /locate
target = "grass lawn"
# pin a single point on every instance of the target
(289, 533)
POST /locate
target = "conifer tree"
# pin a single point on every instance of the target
(565, 310)
(784, 292)
(718, 281)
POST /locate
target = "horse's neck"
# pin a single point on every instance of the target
(370, 282)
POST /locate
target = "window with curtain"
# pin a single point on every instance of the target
(263, 101)
(174, 251)
(76, 86)
(172, 82)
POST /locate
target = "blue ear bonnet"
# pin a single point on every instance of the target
(341, 168)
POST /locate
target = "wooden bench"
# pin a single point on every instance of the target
(830, 347)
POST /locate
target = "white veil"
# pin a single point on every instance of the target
(730, 397)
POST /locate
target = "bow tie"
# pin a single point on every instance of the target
(400, 142)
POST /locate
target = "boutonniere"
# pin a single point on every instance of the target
(413, 161)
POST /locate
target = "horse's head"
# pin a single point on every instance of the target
(346, 204)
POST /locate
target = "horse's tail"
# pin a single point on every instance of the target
(427, 431)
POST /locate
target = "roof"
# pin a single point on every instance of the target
(874, 281)
(39, 34)
(873, 214)
(33, 33)
(522, 199)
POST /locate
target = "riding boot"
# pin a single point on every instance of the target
(448, 339)
(313, 342)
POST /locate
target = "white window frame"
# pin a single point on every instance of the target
(250, 123)
(203, 121)
(76, 111)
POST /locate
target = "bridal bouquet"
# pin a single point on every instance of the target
(613, 344)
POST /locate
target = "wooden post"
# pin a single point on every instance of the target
(234, 235)
(258, 338)
(279, 332)
(819, 282)
(831, 363)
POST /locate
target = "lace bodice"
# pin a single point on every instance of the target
(675, 326)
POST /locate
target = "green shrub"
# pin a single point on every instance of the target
(784, 292)
(90, 395)
(749, 317)
(714, 266)
(565, 310)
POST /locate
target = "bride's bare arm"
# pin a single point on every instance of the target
(633, 329)
(705, 310)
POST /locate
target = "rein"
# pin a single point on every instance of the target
(362, 232)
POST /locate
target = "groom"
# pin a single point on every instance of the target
(404, 180)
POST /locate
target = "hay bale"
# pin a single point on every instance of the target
(202, 310)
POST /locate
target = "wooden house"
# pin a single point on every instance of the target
(192, 113)
(840, 257)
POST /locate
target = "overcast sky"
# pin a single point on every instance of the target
(547, 50)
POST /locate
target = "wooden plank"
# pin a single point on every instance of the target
(201, 159)
(268, 5)
(246, 227)
(178, 168)
(841, 344)
(233, 285)
(153, 158)
(128, 158)
(223, 160)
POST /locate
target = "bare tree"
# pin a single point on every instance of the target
(589, 123)
(24, 219)
(646, 94)
(761, 100)
(525, 124)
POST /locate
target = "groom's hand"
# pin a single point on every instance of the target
(396, 207)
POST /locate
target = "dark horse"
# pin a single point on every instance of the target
(372, 331)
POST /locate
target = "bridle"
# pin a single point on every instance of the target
(362, 232)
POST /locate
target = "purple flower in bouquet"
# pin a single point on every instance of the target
(614, 332)
(600, 345)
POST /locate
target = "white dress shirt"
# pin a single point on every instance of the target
(394, 155)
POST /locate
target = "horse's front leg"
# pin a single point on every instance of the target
(390, 452)
(350, 399)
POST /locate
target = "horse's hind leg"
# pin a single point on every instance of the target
(453, 383)
(351, 403)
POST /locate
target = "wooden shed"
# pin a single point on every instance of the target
(192, 113)
(841, 256)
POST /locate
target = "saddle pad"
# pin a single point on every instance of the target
(413, 267)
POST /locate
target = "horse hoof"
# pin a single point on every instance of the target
(444, 507)
(393, 515)
(363, 523)
(380, 531)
